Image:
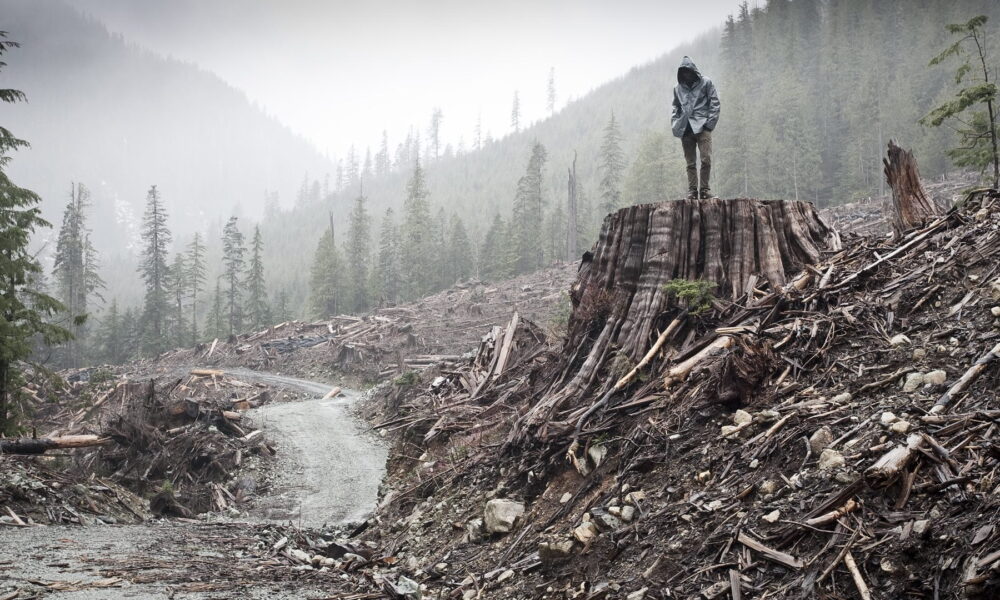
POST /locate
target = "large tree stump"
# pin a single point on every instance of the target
(911, 207)
(619, 299)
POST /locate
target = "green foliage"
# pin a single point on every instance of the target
(195, 278)
(325, 278)
(358, 253)
(526, 219)
(177, 289)
(696, 295)
(153, 269)
(416, 254)
(407, 379)
(258, 312)
(493, 263)
(387, 270)
(612, 167)
(647, 177)
(233, 252)
(24, 309)
(977, 134)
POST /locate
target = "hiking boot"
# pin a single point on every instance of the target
(706, 194)
(692, 195)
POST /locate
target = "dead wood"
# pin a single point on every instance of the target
(41, 445)
(911, 207)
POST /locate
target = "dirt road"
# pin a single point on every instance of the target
(329, 468)
(329, 472)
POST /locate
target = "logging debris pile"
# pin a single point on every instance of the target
(183, 441)
(833, 432)
(389, 341)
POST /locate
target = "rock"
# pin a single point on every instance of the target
(769, 486)
(615, 510)
(639, 594)
(899, 340)
(585, 532)
(729, 430)
(937, 377)
(919, 354)
(505, 575)
(634, 498)
(820, 439)
(921, 526)
(299, 555)
(842, 398)
(704, 476)
(773, 516)
(887, 418)
(565, 498)
(900, 427)
(500, 515)
(597, 452)
(407, 588)
(742, 417)
(604, 520)
(768, 415)
(754, 463)
(830, 460)
(628, 513)
(995, 311)
(913, 382)
(554, 551)
(474, 528)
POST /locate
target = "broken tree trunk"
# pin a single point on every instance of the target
(40, 445)
(911, 207)
(571, 213)
(619, 298)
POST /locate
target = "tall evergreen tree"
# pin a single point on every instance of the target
(526, 220)
(257, 311)
(460, 257)
(25, 311)
(153, 269)
(493, 258)
(382, 161)
(195, 279)
(177, 288)
(416, 254)
(325, 277)
(612, 167)
(233, 251)
(434, 133)
(358, 251)
(215, 322)
(75, 271)
(647, 177)
(387, 278)
(112, 336)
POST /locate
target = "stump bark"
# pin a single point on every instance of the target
(619, 301)
(911, 206)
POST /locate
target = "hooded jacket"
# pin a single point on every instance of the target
(696, 105)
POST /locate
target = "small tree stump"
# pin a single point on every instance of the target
(911, 207)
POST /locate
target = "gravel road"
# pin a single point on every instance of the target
(329, 471)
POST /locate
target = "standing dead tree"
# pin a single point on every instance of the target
(911, 206)
(621, 299)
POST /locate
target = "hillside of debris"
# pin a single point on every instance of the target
(818, 420)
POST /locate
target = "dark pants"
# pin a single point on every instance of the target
(692, 143)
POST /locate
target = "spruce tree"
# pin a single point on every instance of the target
(526, 220)
(233, 251)
(493, 262)
(177, 288)
(612, 167)
(325, 278)
(112, 338)
(647, 177)
(195, 279)
(215, 323)
(387, 277)
(417, 261)
(258, 312)
(460, 257)
(358, 251)
(153, 270)
(382, 161)
(25, 311)
(75, 271)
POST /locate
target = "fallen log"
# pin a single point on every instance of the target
(967, 379)
(41, 445)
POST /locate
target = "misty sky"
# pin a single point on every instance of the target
(339, 72)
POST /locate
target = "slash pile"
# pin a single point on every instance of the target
(834, 434)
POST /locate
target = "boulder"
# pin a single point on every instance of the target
(500, 515)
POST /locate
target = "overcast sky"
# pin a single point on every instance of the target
(339, 72)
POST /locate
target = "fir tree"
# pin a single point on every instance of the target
(382, 162)
(25, 311)
(526, 220)
(460, 258)
(112, 336)
(195, 279)
(324, 277)
(233, 252)
(415, 255)
(257, 310)
(358, 250)
(153, 269)
(493, 263)
(281, 310)
(612, 167)
(387, 269)
(75, 270)
(215, 323)
(647, 177)
(177, 288)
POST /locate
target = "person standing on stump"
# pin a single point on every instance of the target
(695, 114)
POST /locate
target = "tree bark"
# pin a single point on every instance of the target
(910, 203)
(571, 228)
(40, 445)
(619, 298)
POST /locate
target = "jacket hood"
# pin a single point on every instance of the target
(687, 63)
